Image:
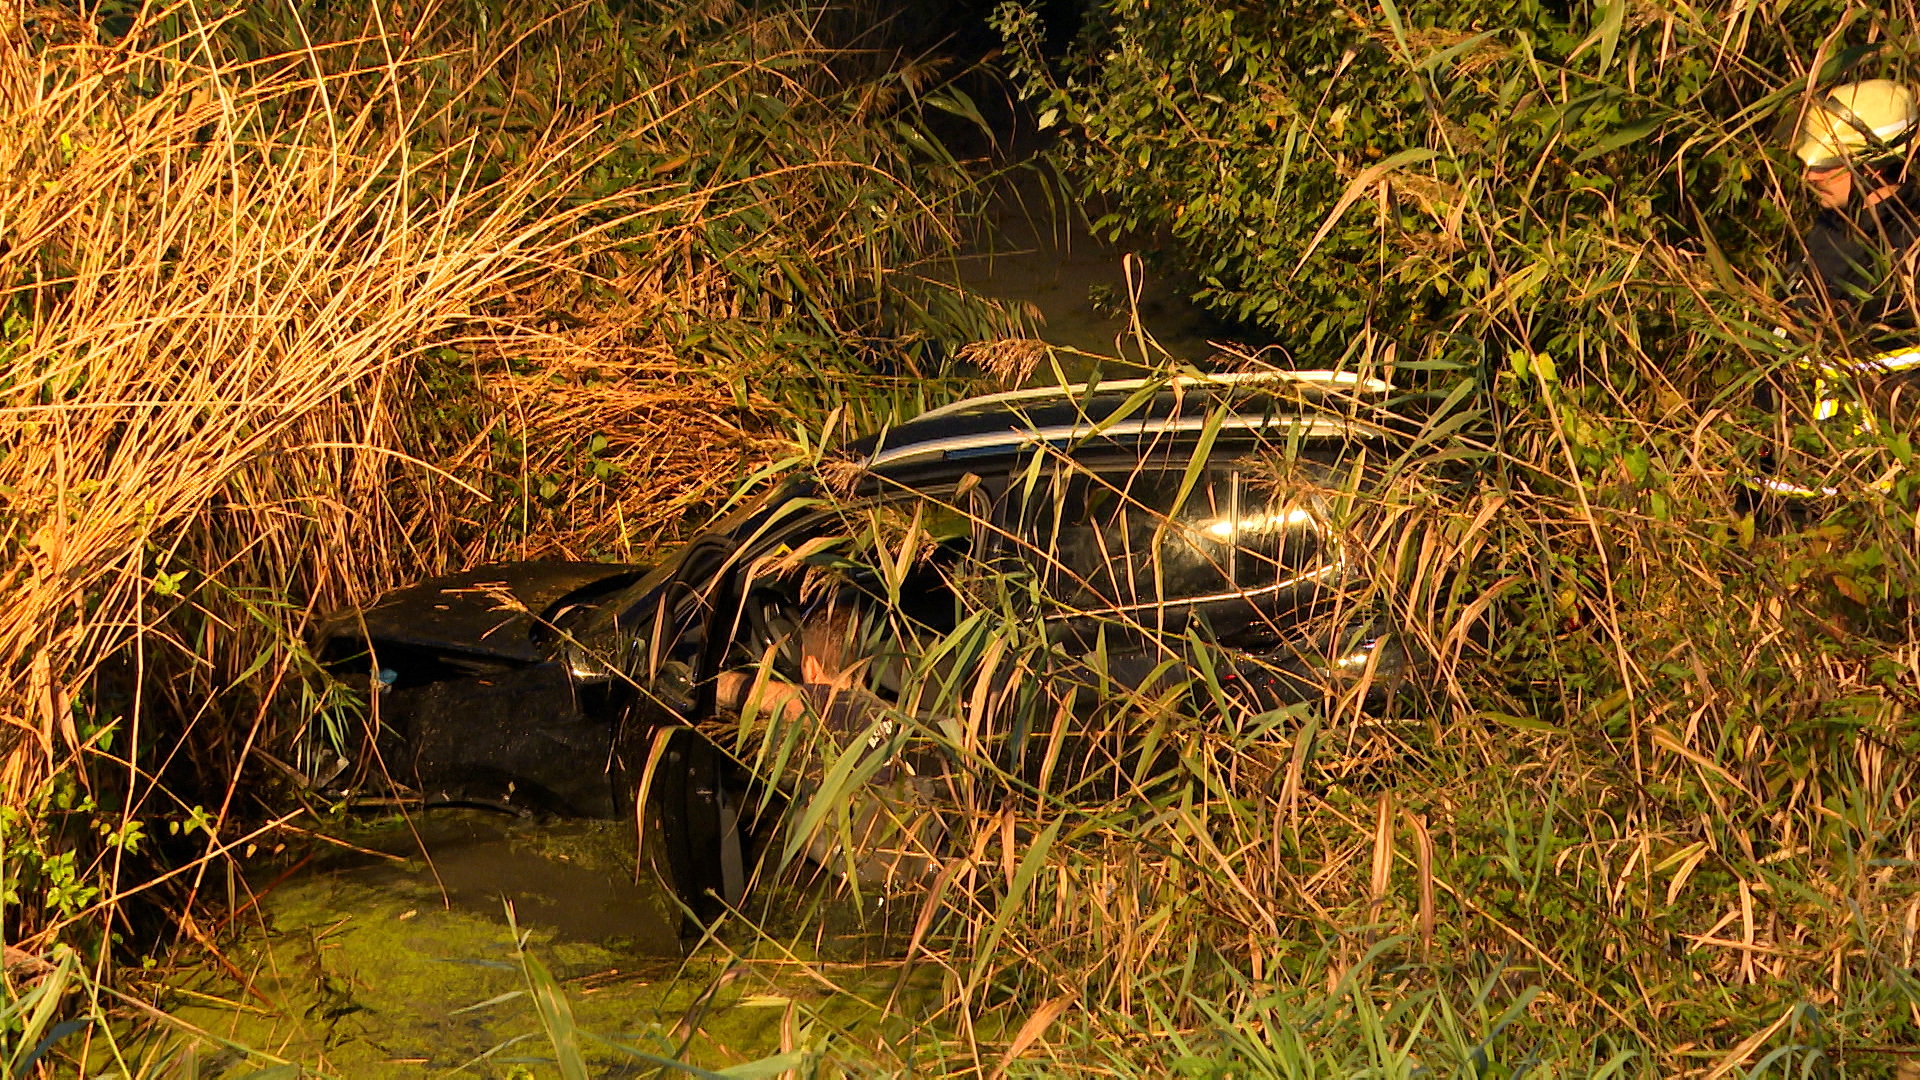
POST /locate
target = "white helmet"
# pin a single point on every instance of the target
(1859, 123)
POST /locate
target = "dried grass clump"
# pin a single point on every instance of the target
(630, 442)
(208, 351)
(1010, 361)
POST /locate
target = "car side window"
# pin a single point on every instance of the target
(1118, 540)
(844, 548)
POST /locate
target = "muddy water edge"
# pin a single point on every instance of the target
(392, 946)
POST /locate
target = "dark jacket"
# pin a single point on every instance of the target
(1858, 269)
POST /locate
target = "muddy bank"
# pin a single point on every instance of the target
(1040, 257)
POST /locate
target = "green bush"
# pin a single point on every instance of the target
(1435, 167)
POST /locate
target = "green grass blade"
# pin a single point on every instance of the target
(550, 1001)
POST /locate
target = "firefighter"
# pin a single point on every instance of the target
(1855, 146)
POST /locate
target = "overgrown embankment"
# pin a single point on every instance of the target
(301, 310)
(300, 304)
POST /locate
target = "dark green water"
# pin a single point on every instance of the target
(399, 960)
(1078, 288)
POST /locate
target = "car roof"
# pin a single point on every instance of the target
(1305, 404)
(1321, 380)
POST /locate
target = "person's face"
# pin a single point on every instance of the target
(1831, 184)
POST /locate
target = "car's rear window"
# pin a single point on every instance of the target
(1120, 540)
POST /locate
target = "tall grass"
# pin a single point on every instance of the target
(299, 304)
(1478, 874)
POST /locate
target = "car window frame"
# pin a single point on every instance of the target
(1110, 460)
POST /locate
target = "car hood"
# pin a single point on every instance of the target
(502, 612)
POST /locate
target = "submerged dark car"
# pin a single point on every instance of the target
(1127, 525)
